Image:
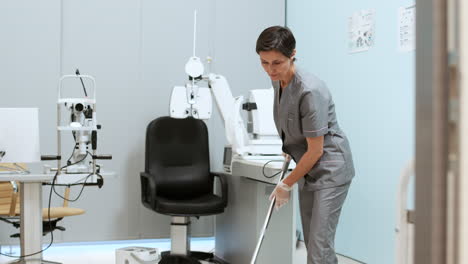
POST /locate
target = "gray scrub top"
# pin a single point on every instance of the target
(306, 109)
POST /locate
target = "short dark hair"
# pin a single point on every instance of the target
(277, 38)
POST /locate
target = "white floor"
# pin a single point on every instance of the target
(301, 256)
(104, 253)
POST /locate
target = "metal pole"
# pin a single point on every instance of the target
(284, 170)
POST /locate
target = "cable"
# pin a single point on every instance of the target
(50, 227)
(52, 189)
(48, 211)
(75, 183)
(79, 195)
(77, 72)
(83, 184)
(263, 169)
(71, 156)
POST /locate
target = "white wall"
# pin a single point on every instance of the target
(136, 50)
(374, 94)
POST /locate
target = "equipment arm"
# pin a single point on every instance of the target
(229, 107)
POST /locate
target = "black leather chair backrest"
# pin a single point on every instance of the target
(177, 154)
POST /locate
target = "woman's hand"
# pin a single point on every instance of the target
(281, 193)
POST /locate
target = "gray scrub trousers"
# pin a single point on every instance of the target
(305, 109)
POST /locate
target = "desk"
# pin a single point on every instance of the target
(238, 228)
(31, 213)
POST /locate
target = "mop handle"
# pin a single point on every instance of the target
(284, 170)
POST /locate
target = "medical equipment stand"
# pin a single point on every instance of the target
(284, 170)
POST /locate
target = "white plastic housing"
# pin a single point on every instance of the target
(180, 108)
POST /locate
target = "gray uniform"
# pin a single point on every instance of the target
(305, 109)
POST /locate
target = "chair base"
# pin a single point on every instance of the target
(194, 257)
(177, 259)
(22, 261)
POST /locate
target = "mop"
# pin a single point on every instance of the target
(284, 170)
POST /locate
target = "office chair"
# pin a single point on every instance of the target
(177, 181)
(10, 208)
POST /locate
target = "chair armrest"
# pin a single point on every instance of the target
(224, 186)
(148, 190)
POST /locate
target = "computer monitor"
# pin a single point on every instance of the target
(227, 158)
(19, 135)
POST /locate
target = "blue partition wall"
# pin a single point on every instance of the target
(374, 96)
